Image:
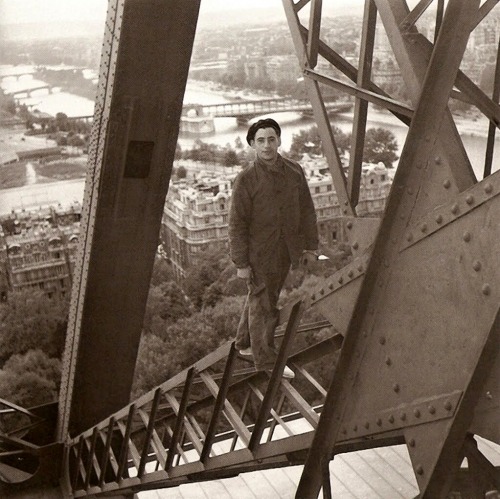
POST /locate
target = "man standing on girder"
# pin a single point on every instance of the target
(272, 222)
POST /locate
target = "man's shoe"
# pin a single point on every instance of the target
(246, 352)
(288, 373)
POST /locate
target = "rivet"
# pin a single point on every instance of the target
(446, 184)
(367, 425)
(313, 297)
(403, 416)
(396, 387)
(467, 236)
(411, 442)
(488, 188)
(379, 422)
(486, 289)
(382, 340)
(476, 265)
(341, 280)
(417, 413)
(439, 219)
(355, 428)
(469, 199)
(409, 237)
(365, 334)
(454, 209)
(360, 268)
(350, 274)
(344, 431)
(388, 361)
(420, 470)
(447, 405)
(432, 409)
(423, 228)
(409, 191)
(331, 286)
(355, 245)
(349, 225)
(322, 291)
(346, 203)
(391, 419)
(437, 160)
(344, 211)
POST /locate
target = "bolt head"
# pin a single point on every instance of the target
(367, 425)
(379, 422)
(469, 199)
(476, 265)
(420, 470)
(488, 188)
(396, 387)
(439, 219)
(454, 209)
(432, 409)
(388, 361)
(437, 160)
(486, 289)
(446, 184)
(409, 237)
(467, 236)
(403, 416)
(391, 419)
(382, 340)
(349, 225)
(416, 412)
(411, 442)
(423, 228)
(355, 245)
(448, 406)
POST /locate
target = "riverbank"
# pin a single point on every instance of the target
(472, 126)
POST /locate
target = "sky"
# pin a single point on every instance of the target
(43, 11)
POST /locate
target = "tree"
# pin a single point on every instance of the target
(207, 270)
(380, 146)
(231, 158)
(62, 122)
(181, 172)
(309, 141)
(30, 379)
(166, 301)
(31, 320)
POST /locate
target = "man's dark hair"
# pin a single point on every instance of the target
(266, 123)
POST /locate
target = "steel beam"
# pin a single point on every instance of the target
(423, 132)
(144, 68)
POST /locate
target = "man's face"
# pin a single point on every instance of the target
(266, 144)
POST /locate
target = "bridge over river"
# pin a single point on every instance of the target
(243, 110)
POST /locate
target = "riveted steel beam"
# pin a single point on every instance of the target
(146, 55)
(426, 124)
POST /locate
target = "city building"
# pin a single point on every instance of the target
(38, 249)
(195, 216)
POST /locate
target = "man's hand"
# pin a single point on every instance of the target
(244, 273)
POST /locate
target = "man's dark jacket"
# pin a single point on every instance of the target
(269, 205)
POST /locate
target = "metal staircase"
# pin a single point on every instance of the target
(204, 423)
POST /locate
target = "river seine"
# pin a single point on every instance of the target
(226, 132)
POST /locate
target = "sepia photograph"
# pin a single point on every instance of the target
(250, 249)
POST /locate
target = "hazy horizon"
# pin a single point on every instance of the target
(31, 19)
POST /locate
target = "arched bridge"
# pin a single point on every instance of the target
(248, 109)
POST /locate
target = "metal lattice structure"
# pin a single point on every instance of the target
(416, 310)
